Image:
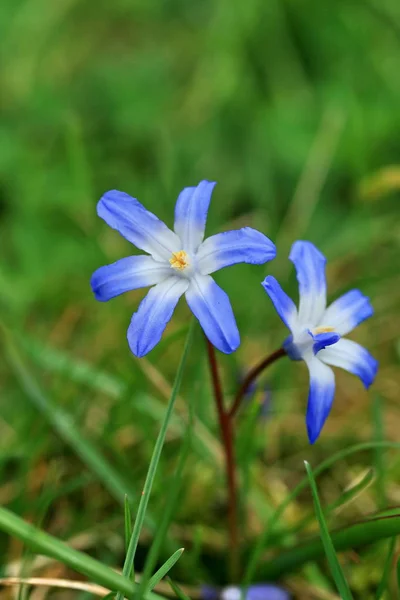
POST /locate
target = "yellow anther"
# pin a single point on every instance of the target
(179, 260)
(323, 330)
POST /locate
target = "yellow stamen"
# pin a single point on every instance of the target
(179, 260)
(323, 330)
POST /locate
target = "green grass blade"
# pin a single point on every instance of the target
(361, 534)
(46, 544)
(172, 499)
(127, 522)
(352, 493)
(398, 575)
(329, 548)
(162, 571)
(62, 423)
(386, 569)
(348, 496)
(130, 555)
(265, 536)
(179, 593)
(379, 435)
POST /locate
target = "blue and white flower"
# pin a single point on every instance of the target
(257, 591)
(178, 262)
(317, 332)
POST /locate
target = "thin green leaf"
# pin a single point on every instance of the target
(127, 522)
(273, 521)
(130, 555)
(63, 424)
(179, 593)
(398, 574)
(171, 501)
(163, 570)
(46, 544)
(379, 435)
(386, 569)
(353, 492)
(348, 496)
(329, 548)
(361, 534)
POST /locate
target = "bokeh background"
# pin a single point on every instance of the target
(293, 108)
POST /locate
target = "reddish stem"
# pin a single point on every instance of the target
(225, 424)
(251, 376)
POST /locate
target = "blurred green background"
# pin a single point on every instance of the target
(293, 108)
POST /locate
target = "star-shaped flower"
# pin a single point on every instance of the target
(316, 331)
(178, 262)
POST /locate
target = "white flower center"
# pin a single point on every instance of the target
(182, 264)
(304, 342)
(179, 260)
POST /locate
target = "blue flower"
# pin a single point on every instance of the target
(316, 331)
(258, 591)
(178, 262)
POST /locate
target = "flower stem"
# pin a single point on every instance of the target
(225, 424)
(251, 376)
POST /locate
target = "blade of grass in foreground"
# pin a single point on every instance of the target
(127, 522)
(348, 496)
(130, 555)
(162, 571)
(179, 593)
(359, 535)
(276, 565)
(386, 569)
(171, 499)
(329, 548)
(379, 434)
(46, 544)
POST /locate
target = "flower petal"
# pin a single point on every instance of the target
(245, 245)
(348, 311)
(353, 358)
(211, 306)
(322, 340)
(310, 267)
(320, 398)
(155, 310)
(191, 214)
(259, 591)
(284, 305)
(266, 591)
(129, 273)
(139, 226)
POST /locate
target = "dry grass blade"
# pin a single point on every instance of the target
(91, 588)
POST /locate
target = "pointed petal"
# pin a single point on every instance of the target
(348, 311)
(353, 358)
(310, 267)
(211, 306)
(136, 224)
(155, 310)
(322, 340)
(191, 214)
(127, 274)
(284, 305)
(245, 245)
(320, 397)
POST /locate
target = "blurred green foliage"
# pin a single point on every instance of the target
(293, 108)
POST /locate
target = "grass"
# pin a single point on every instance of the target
(293, 108)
